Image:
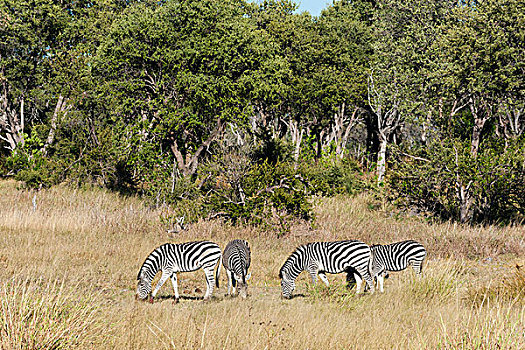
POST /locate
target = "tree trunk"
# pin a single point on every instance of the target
(11, 124)
(381, 160)
(297, 133)
(372, 139)
(61, 107)
(465, 203)
(188, 165)
(511, 122)
(481, 115)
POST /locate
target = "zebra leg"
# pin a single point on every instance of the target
(210, 281)
(313, 270)
(417, 266)
(365, 274)
(358, 282)
(165, 276)
(380, 281)
(234, 283)
(229, 274)
(313, 274)
(350, 279)
(323, 278)
(175, 286)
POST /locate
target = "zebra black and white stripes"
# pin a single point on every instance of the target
(184, 257)
(236, 261)
(396, 257)
(319, 258)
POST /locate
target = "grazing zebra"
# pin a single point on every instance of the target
(236, 261)
(184, 257)
(396, 257)
(319, 258)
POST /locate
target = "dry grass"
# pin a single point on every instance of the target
(49, 316)
(75, 258)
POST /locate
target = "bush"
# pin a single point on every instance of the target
(271, 195)
(430, 181)
(331, 177)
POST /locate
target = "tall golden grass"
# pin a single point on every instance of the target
(71, 264)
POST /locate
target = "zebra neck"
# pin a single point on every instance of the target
(293, 267)
(147, 273)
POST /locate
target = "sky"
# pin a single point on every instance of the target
(312, 6)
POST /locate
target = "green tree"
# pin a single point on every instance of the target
(174, 75)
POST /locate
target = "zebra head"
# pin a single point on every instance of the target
(143, 287)
(287, 286)
(242, 285)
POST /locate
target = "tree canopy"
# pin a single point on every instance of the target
(245, 110)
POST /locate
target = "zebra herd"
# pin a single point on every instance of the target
(357, 259)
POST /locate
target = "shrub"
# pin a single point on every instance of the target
(331, 177)
(271, 195)
(429, 181)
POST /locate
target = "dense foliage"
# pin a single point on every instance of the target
(245, 110)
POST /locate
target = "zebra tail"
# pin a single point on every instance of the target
(218, 273)
(371, 264)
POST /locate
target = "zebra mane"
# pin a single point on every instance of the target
(142, 267)
(284, 264)
(139, 276)
(289, 258)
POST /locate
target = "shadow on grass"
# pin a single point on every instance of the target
(298, 295)
(182, 297)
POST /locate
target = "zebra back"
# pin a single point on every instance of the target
(331, 257)
(237, 257)
(182, 257)
(397, 256)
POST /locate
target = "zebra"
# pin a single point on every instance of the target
(396, 257)
(319, 258)
(183, 257)
(236, 261)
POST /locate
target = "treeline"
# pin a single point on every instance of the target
(245, 110)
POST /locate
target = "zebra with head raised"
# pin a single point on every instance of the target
(184, 257)
(319, 258)
(236, 261)
(396, 257)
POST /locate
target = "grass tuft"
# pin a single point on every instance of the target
(334, 293)
(437, 284)
(497, 327)
(510, 288)
(36, 316)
